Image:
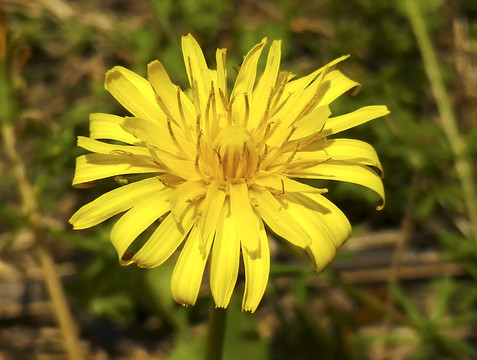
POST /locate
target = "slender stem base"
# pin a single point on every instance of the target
(216, 334)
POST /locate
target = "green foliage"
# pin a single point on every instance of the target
(435, 328)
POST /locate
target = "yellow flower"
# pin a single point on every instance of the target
(220, 168)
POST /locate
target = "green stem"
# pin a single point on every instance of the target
(462, 164)
(216, 334)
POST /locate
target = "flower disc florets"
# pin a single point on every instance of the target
(236, 153)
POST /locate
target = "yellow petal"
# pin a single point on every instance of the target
(189, 269)
(350, 150)
(245, 82)
(180, 160)
(165, 240)
(283, 184)
(300, 100)
(245, 219)
(346, 171)
(327, 225)
(135, 93)
(105, 148)
(300, 84)
(338, 85)
(340, 123)
(248, 70)
(257, 269)
(106, 126)
(153, 135)
(168, 93)
(183, 195)
(354, 151)
(185, 169)
(225, 258)
(138, 219)
(197, 71)
(298, 105)
(311, 123)
(212, 206)
(275, 214)
(114, 202)
(92, 167)
(221, 73)
(265, 85)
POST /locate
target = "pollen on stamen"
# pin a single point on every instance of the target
(277, 95)
(262, 138)
(257, 167)
(241, 171)
(198, 129)
(210, 99)
(199, 170)
(185, 125)
(292, 130)
(293, 154)
(247, 110)
(223, 98)
(173, 137)
(193, 87)
(283, 167)
(266, 113)
(312, 102)
(164, 108)
(215, 124)
(265, 152)
(229, 111)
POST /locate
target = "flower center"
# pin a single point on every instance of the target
(236, 154)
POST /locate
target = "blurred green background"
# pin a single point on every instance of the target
(403, 287)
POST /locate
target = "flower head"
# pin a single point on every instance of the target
(222, 167)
